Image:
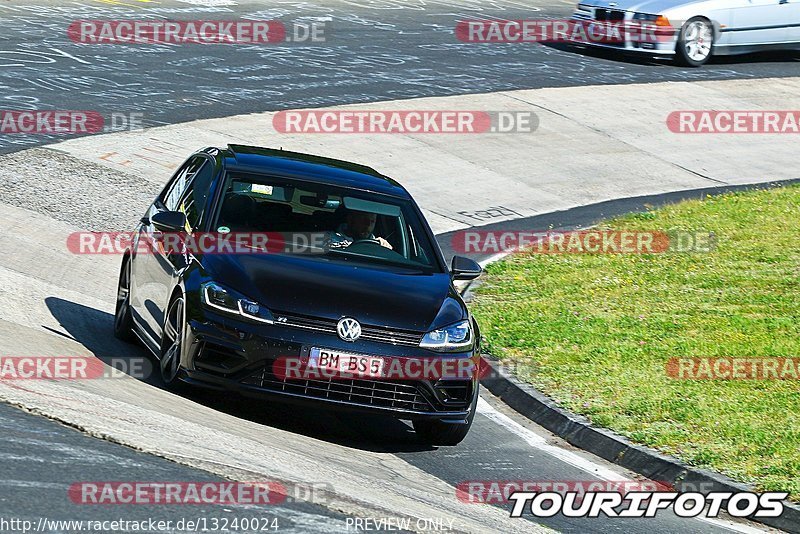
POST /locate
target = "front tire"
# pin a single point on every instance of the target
(123, 322)
(172, 344)
(440, 433)
(695, 43)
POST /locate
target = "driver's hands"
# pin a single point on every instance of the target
(384, 243)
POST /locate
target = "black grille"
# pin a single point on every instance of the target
(383, 394)
(370, 333)
(611, 15)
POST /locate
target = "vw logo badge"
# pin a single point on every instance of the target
(349, 329)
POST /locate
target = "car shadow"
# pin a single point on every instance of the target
(367, 432)
(792, 56)
(94, 330)
(618, 56)
(633, 58)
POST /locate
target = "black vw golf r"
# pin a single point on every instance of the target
(375, 288)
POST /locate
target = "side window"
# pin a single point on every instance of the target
(175, 190)
(194, 199)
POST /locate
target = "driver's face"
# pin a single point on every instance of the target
(361, 223)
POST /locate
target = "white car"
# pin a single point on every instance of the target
(692, 31)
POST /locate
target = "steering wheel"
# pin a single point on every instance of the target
(370, 240)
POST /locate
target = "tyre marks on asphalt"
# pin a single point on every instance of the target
(377, 50)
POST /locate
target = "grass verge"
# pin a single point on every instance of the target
(595, 332)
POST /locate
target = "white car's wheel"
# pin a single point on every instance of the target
(695, 42)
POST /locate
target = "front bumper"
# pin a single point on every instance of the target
(235, 355)
(661, 43)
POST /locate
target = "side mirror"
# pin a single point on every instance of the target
(169, 221)
(465, 269)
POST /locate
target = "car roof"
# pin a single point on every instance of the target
(310, 167)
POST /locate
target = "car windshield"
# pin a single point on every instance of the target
(327, 222)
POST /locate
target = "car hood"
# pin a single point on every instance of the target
(642, 6)
(381, 297)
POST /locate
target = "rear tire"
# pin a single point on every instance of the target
(439, 433)
(123, 322)
(695, 43)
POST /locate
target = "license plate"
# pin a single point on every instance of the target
(333, 363)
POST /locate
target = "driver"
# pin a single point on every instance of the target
(358, 226)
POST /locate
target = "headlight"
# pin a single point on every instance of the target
(224, 299)
(658, 20)
(453, 338)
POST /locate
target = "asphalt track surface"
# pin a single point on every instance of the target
(381, 49)
(41, 459)
(374, 50)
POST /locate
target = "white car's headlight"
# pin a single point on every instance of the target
(221, 298)
(453, 338)
(657, 20)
